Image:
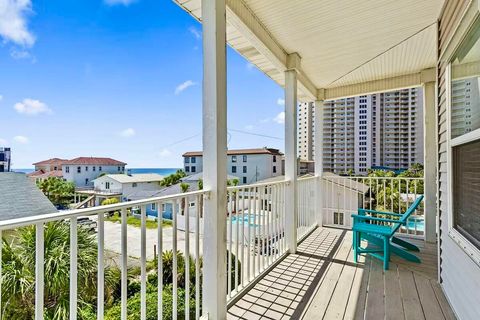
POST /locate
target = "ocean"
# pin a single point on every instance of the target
(160, 171)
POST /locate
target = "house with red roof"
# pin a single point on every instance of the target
(81, 171)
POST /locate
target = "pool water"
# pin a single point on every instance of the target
(419, 222)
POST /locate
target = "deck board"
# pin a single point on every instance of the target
(321, 281)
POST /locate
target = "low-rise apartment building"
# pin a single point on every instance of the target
(248, 165)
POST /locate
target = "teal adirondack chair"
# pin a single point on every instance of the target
(380, 232)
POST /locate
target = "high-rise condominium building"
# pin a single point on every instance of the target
(378, 130)
(465, 99)
(5, 159)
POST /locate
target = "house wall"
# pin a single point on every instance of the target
(89, 172)
(259, 167)
(339, 199)
(459, 274)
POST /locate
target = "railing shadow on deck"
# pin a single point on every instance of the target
(286, 290)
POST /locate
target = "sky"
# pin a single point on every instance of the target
(119, 79)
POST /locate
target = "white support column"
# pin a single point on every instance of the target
(319, 160)
(291, 165)
(430, 161)
(214, 159)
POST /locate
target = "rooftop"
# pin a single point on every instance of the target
(233, 152)
(130, 178)
(20, 197)
(96, 161)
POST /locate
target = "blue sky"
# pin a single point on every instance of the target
(117, 78)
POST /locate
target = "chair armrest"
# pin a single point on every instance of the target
(362, 212)
(356, 216)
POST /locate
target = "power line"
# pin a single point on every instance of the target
(256, 134)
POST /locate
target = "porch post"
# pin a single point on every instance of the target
(319, 160)
(430, 161)
(291, 163)
(214, 159)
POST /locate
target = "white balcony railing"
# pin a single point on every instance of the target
(255, 227)
(255, 232)
(182, 216)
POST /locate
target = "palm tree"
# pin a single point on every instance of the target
(233, 182)
(58, 191)
(184, 186)
(18, 260)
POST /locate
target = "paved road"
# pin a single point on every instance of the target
(113, 240)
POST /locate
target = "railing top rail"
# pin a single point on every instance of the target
(261, 184)
(307, 178)
(62, 215)
(373, 178)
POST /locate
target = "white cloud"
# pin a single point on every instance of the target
(1, 97)
(281, 102)
(13, 22)
(249, 127)
(181, 87)
(127, 133)
(22, 54)
(280, 118)
(31, 107)
(121, 2)
(165, 153)
(265, 120)
(196, 33)
(21, 139)
(3, 142)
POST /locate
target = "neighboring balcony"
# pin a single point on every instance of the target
(264, 279)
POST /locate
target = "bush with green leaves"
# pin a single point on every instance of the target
(18, 274)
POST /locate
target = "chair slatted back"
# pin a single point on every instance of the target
(408, 213)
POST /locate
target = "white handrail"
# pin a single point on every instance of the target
(75, 213)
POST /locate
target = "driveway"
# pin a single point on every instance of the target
(113, 240)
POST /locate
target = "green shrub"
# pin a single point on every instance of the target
(133, 306)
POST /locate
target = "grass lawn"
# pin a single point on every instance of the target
(131, 220)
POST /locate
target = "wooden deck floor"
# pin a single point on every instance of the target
(321, 281)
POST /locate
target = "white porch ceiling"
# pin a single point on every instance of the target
(341, 43)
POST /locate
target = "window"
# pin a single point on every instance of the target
(274, 158)
(187, 160)
(55, 168)
(100, 168)
(244, 169)
(86, 181)
(153, 206)
(134, 185)
(93, 168)
(67, 169)
(187, 169)
(234, 158)
(244, 158)
(464, 144)
(234, 169)
(338, 218)
(107, 185)
(118, 169)
(86, 168)
(274, 169)
(193, 160)
(244, 179)
(193, 169)
(79, 169)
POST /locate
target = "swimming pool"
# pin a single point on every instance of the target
(418, 221)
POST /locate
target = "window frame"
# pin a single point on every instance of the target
(465, 244)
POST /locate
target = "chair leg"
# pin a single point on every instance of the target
(355, 246)
(386, 252)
